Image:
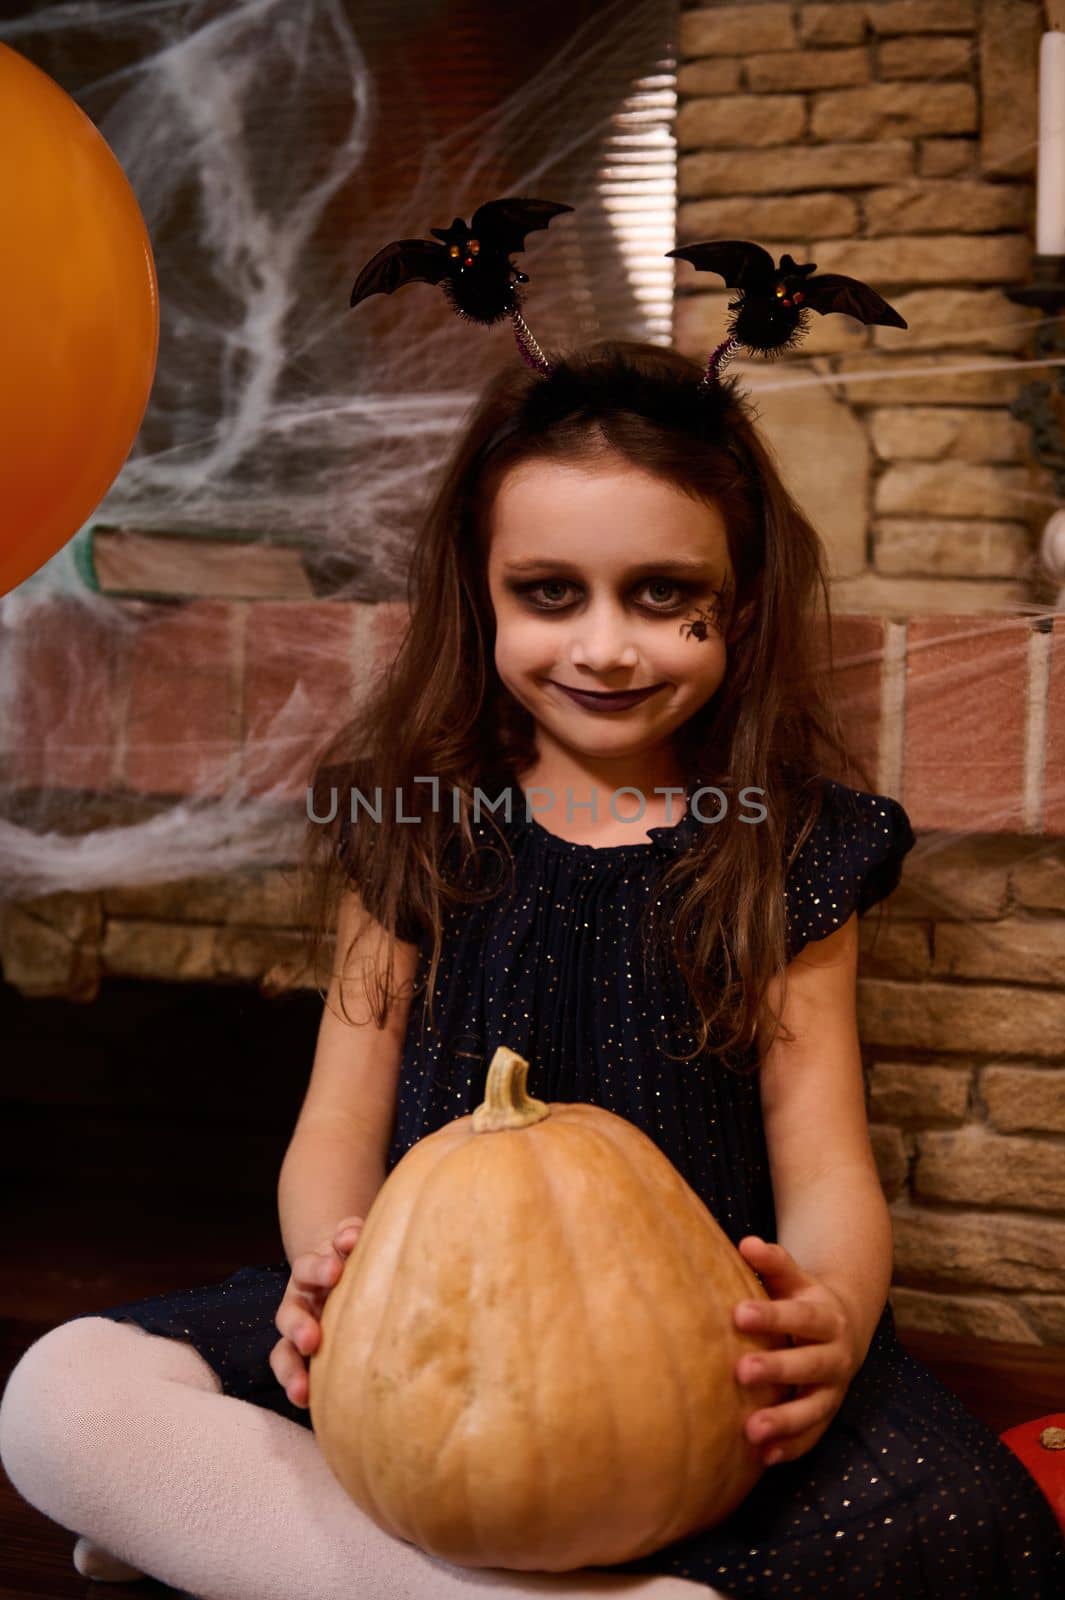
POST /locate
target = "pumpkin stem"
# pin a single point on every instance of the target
(505, 1103)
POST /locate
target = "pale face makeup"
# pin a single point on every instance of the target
(605, 578)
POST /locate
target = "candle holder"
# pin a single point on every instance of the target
(1035, 403)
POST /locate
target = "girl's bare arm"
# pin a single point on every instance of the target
(831, 1212)
(335, 1161)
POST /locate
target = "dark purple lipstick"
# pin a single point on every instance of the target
(607, 702)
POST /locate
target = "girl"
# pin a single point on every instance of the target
(665, 924)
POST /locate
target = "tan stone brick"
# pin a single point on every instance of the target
(797, 216)
(891, 947)
(190, 952)
(889, 1154)
(966, 878)
(248, 953)
(140, 949)
(877, 378)
(976, 1167)
(1009, 77)
(961, 1019)
(76, 917)
(952, 489)
(1017, 950)
(956, 548)
(1046, 1313)
(1006, 1251)
(736, 30)
(259, 898)
(946, 158)
(944, 258)
(720, 76)
(946, 206)
(922, 16)
(781, 171)
(981, 319)
(1038, 881)
(876, 594)
(292, 972)
(894, 110)
(740, 120)
(974, 1316)
(909, 1091)
(1024, 1099)
(49, 946)
(917, 433)
(920, 57)
(823, 454)
(699, 323)
(806, 69)
(832, 24)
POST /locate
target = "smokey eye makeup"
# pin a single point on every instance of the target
(684, 594)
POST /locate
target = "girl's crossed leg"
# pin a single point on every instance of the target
(124, 1436)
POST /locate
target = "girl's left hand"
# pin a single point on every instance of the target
(822, 1360)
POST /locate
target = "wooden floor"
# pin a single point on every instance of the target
(143, 1137)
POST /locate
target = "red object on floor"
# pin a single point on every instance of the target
(1041, 1446)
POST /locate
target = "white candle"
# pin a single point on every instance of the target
(1050, 218)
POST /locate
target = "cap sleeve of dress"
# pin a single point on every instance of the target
(851, 860)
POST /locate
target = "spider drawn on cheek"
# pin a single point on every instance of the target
(705, 619)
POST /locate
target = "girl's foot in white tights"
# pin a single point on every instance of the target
(93, 1561)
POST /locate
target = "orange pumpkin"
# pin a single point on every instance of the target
(529, 1359)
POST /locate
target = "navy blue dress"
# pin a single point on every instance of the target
(907, 1495)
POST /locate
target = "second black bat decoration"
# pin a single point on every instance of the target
(771, 310)
(472, 263)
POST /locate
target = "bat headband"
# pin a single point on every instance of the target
(770, 313)
(472, 264)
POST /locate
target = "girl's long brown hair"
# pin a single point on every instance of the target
(440, 709)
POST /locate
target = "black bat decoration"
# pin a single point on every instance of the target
(472, 263)
(771, 308)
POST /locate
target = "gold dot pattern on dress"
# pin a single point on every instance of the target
(906, 1496)
(851, 859)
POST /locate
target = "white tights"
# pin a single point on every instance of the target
(125, 1436)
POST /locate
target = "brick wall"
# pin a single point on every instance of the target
(962, 1022)
(962, 718)
(893, 141)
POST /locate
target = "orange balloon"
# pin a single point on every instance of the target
(79, 318)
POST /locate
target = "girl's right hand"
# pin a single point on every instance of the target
(298, 1317)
